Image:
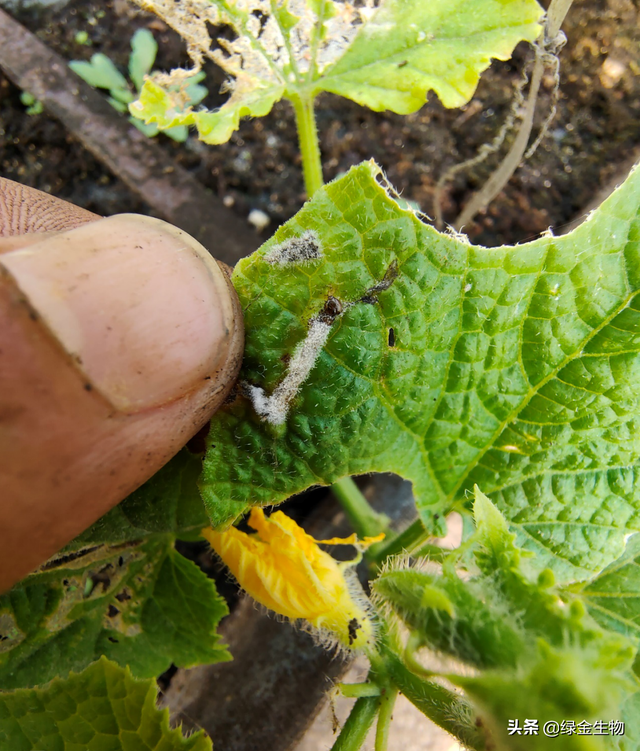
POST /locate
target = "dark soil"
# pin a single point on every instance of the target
(596, 128)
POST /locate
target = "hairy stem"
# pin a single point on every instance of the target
(447, 709)
(387, 703)
(355, 729)
(309, 143)
(365, 521)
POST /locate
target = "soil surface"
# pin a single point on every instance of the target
(596, 128)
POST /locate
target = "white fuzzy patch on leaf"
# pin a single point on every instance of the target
(296, 250)
(274, 408)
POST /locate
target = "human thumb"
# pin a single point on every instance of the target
(118, 340)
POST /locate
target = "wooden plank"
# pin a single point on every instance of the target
(172, 192)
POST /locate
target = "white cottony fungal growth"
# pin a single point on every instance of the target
(295, 250)
(274, 408)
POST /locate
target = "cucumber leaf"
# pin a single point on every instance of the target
(613, 597)
(384, 55)
(103, 708)
(143, 605)
(376, 343)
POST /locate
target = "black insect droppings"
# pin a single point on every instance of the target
(113, 640)
(354, 625)
(113, 611)
(392, 338)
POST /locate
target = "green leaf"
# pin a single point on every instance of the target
(387, 57)
(411, 47)
(103, 708)
(141, 605)
(167, 503)
(613, 597)
(144, 49)
(100, 73)
(516, 368)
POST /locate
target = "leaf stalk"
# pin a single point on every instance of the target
(309, 142)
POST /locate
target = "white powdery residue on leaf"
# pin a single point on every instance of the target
(274, 408)
(296, 250)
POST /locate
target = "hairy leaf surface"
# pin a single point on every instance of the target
(140, 604)
(384, 55)
(103, 708)
(375, 343)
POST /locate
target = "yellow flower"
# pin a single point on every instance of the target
(282, 567)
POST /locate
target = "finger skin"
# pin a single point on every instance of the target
(66, 456)
(24, 210)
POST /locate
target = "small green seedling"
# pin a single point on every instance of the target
(33, 105)
(101, 73)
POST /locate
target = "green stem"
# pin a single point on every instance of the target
(413, 536)
(309, 144)
(387, 703)
(365, 521)
(359, 690)
(448, 710)
(355, 729)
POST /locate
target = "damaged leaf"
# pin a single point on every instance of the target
(142, 605)
(516, 368)
(383, 54)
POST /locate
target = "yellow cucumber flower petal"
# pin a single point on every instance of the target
(282, 567)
